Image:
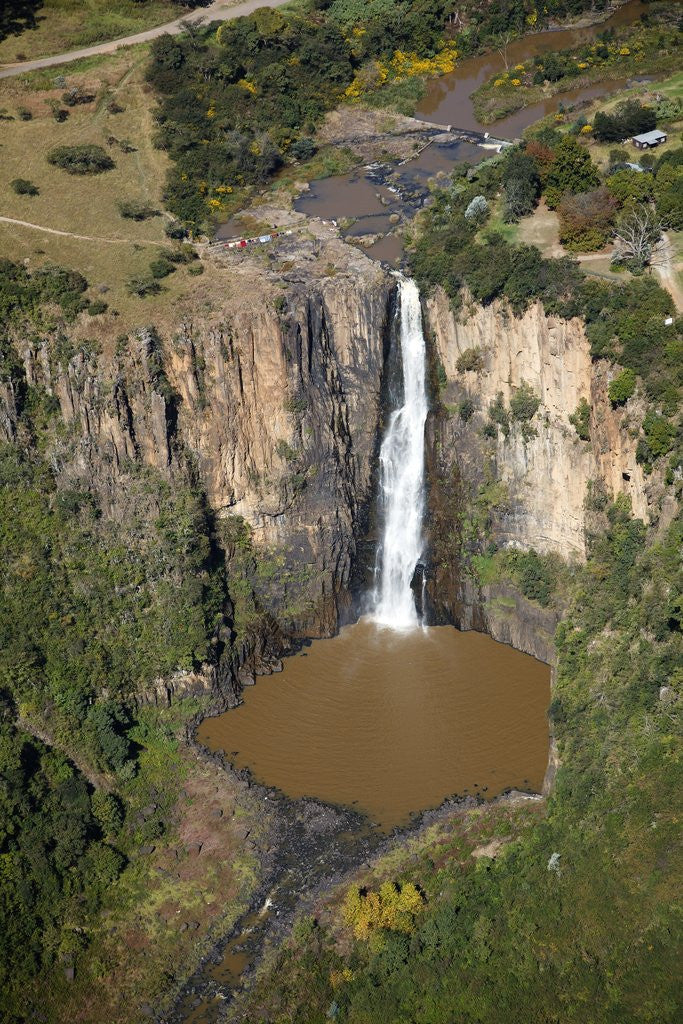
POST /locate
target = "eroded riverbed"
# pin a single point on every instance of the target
(392, 723)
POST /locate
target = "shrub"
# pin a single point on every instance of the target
(660, 435)
(75, 96)
(498, 414)
(622, 387)
(630, 185)
(143, 286)
(161, 267)
(24, 187)
(135, 210)
(535, 575)
(581, 419)
(586, 219)
(303, 149)
(174, 229)
(477, 210)
(524, 403)
(196, 269)
(466, 409)
(24, 114)
(392, 908)
(571, 172)
(470, 360)
(82, 159)
(97, 307)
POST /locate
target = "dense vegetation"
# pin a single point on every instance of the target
(531, 935)
(56, 861)
(649, 46)
(626, 323)
(235, 102)
(93, 609)
(238, 101)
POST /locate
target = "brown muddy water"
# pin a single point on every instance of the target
(447, 100)
(392, 723)
(358, 196)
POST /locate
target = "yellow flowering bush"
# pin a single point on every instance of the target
(211, 112)
(582, 64)
(587, 129)
(624, 51)
(392, 908)
(519, 67)
(516, 81)
(409, 65)
(372, 76)
(338, 978)
(215, 204)
(244, 83)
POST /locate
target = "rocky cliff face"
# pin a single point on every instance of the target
(529, 488)
(547, 475)
(272, 402)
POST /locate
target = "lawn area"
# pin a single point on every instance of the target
(542, 230)
(62, 25)
(510, 232)
(88, 204)
(645, 93)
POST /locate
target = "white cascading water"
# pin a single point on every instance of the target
(402, 474)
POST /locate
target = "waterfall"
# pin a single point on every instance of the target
(401, 491)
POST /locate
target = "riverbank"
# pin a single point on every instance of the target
(317, 848)
(635, 51)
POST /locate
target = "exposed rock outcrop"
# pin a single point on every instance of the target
(546, 475)
(533, 485)
(271, 401)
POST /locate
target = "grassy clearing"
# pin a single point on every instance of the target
(542, 230)
(62, 25)
(510, 232)
(88, 205)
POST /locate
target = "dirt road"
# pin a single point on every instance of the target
(71, 234)
(221, 10)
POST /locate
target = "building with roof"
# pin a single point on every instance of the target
(649, 139)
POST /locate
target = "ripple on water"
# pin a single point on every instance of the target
(393, 723)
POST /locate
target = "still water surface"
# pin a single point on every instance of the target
(393, 723)
(447, 99)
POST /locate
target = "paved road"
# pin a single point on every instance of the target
(220, 10)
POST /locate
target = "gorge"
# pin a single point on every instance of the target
(340, 615)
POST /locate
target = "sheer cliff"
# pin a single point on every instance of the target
(270, 401)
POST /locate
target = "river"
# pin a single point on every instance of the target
(369, 202)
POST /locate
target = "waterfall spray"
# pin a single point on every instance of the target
(402, 474)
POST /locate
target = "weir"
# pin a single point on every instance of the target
(402, 477)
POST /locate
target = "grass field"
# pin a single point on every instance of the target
(62, 25)
(88, 205)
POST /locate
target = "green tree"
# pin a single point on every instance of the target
(622, 387)
(571, 171)
(82, 159)
(580, 419)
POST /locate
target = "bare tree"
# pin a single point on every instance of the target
(502, 47)
(637, 236)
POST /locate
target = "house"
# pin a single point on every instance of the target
(649, 139)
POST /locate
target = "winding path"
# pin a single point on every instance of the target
(72, 234)
(220, 10)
